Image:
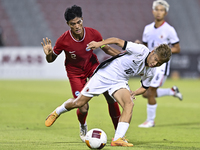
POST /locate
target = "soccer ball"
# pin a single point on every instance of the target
(96, 138)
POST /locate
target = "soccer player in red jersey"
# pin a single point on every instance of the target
(80, 62)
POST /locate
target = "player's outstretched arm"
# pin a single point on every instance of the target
(110, 50)
(94, 45)
(139, 91)
(46, 44)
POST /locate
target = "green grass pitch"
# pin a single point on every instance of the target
(24, 105)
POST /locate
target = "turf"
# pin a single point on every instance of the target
(24, 105)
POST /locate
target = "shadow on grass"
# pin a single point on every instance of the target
(180, 124)
(166, 144)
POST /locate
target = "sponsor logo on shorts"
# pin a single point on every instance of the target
(77, 93)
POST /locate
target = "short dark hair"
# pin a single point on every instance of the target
(73, 12)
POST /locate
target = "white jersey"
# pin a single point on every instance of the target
(165, 34)
(130, 64)
(153, 37)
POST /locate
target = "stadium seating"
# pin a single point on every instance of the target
(25, 23)
(9, 34)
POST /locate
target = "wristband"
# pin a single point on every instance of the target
(102, 45)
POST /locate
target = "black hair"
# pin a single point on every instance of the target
(73, 12)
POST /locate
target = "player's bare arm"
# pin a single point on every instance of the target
(46, 44)
(110, 50)
(139, 91)
(176, 48)
(94, 45)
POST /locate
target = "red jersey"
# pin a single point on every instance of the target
(78, 60)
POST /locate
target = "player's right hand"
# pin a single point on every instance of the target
(46, 44)
(93, 45)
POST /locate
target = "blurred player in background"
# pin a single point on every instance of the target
(113, 75)
(80, 62)
(156, 33)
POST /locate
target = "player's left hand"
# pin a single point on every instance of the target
(132, 94)
(93, 45)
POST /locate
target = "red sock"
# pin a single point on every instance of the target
(81, 116)
(114, 112)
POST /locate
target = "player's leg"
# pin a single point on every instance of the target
(66, 106)
(174, 91)
(123, 97)
(113, 108)
(151, 94)
(151, 108)
(77, 84)
(164, 91)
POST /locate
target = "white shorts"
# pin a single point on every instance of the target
(99, 84)
(158, 78)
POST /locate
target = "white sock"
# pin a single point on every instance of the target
(164, 92)
(85, 124)
(61, 109)
(151, 112)
(120, 132)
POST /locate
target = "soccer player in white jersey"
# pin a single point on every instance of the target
(156, 33)
(112, 76)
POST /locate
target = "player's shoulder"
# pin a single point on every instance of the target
(138, 49)
(89, 29)
(63, 38)
(136, 45)
(167, 25)
(64, 35)
(168, 28)
(93, 34)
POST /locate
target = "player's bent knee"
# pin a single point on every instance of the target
(78, 104)
(144, 95)
(81, 100)
(129, 104)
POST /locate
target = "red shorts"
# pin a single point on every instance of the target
(77, 82)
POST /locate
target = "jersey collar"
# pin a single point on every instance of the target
(75, 39)
(159, 26)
